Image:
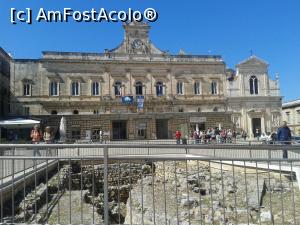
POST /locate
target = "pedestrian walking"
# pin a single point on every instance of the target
(229, 136)
(218, 137)
(284, 137)
(48, 135)
(234, 134)
(257, 134)
(244, 135)
(223, 136)
(273, 138)
(196, 137)
(36, 136)
(178, 136)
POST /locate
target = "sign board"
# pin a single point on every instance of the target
(127, 99)
(197, 119)
(140, 103)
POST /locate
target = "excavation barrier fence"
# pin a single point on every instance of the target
(149, 184)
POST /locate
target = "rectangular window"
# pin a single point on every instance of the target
(27, 89)
(159, 89)
(54, 88)
(118, 88)
(197, 88)
(139, 88)
(180, 88)
(298, 116)
(214, 88)
(96, 89)
(75, 88)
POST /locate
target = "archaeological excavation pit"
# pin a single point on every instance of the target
(73, 193)
(164, 192)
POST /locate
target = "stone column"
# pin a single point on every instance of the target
(169, 76)
(129, 77)
(151, 83)
(249, 131)
(153, 130)
(131, 129)
(263, 129)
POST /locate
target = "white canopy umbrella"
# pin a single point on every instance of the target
(18, 123)
(63, 129)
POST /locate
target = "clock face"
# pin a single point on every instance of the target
(137, 44)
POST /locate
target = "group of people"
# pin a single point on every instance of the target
(214, 135)
(211, 135)
(37, 135)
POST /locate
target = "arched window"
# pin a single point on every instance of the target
(75, 88)
(214, 88)
(197, 90)
(53, 88)
(118, 88)
(139, 88)
(179, 88)
(159, 88)
(253, 85)
(95, 88)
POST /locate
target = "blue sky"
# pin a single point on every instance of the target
(231, 28)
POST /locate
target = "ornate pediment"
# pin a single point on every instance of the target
(253, 61)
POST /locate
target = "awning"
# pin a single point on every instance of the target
(18, 123)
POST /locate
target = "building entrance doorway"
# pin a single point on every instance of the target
(256, 124)
(162, 129)
(142, 131)
(119, 129)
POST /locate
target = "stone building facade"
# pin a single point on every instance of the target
(291, 114)
(253, 98)
(5, 60)
(137, 91)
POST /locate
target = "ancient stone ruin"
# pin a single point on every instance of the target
(169, 192)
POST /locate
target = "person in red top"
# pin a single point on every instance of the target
(36, 135)
(178, 136)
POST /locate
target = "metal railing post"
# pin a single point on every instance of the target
(105, 188)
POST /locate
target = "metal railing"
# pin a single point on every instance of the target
(149, 184)
(189, 141)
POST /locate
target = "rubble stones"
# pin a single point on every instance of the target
(210, 198)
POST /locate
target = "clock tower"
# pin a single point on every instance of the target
(136, 40)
